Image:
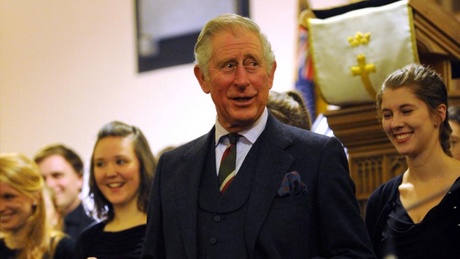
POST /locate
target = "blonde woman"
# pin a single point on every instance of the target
(25, 229)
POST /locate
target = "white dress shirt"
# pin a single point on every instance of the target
(245, 141)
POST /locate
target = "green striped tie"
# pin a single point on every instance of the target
(228, 163)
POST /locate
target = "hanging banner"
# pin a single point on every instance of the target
(354, 52)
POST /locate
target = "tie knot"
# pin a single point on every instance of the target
(233, 137)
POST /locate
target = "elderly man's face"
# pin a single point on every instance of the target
(238, 81)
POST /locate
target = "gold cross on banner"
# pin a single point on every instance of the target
(363, 70)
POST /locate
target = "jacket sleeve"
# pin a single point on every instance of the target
(154, 244)
(343, 232)
(372, 212)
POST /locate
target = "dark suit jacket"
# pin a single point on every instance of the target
(324, 221)
(76, 221)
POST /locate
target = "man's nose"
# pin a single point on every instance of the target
(241, 76)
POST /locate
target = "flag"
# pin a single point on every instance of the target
(304, 78)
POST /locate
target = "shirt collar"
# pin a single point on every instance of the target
(250, 134)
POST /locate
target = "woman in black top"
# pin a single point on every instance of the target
(122, 168)
(417, 214)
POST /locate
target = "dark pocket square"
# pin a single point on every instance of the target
(292, 185)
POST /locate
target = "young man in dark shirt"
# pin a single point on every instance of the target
(62, 170)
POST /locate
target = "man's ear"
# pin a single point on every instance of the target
(272, 74)
(200, 76)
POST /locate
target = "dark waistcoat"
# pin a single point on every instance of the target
(221, 217)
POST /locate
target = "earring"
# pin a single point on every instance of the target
(435, 124)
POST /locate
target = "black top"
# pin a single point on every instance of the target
(76, 221)
(64, 249)
(125, 244)
(393, 232)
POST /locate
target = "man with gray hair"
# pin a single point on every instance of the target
(252, 187)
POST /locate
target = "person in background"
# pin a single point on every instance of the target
(62, 169)
(287, 194)
(54, 215)
(416, 214)
(289, 107)
(164, 150)
(25, 231)
(121, 173)
(454, 121)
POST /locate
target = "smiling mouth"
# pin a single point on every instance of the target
(5, 217)
(402, 136)
(115, 185)
(242, 99)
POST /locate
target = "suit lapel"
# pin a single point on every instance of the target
(187, 188)
(273, 163)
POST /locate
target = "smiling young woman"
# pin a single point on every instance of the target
(415, 214)
(121, 173)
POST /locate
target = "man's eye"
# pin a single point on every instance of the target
(229, 66)
(57, 175)
(253, 64)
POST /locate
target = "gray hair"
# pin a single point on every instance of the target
(233, 23)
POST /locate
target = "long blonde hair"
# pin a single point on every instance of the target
(23, 175)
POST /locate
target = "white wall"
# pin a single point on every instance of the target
(68, 67)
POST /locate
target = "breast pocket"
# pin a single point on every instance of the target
(289, 201)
